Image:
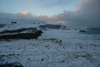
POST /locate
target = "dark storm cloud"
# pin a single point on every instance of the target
(88, 14)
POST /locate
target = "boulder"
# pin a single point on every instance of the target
(13, 22)
(16, 64)
(82, 31)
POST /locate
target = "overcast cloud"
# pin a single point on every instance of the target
(87, 14)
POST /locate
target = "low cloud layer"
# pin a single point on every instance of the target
(21, 15)
(88, 14)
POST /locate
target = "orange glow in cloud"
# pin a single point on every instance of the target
(54, 17)
(58, 22)
(41, 15)
(61, 22)
(76, 9)
(25, 12)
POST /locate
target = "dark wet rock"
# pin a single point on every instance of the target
(82, 31)
(50, 26)
(2, 25)
(95, 30)
(16, 64)
(13, 22)
(60, 41)
(24, 33)
(62, 61)
(42, 59)
(63, 27)
(34, 35)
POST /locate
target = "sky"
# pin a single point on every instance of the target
(69, 12)
(47, 7)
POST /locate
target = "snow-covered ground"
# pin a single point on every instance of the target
(48, 53)
(75, 50)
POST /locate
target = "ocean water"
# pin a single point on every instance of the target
(71, 36)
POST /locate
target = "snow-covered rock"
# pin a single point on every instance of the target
(19, 28)
(19, 23)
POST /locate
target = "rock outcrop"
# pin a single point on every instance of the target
(2, 25)
(50, 26)
(25, 33)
